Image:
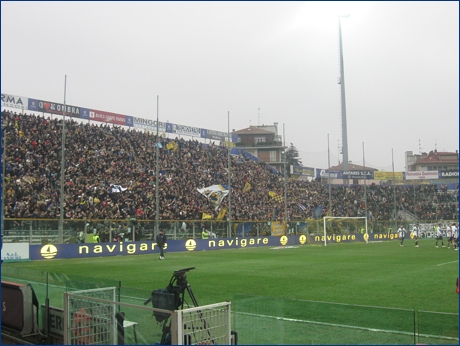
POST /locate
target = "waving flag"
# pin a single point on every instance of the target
(214, 193)
(221, 214)
(247, 187)
(172, 146)
(302, 207)
(206, 216)
(117, 188)
(275, 196)
(317, 212)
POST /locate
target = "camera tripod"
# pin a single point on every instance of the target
(163, 300)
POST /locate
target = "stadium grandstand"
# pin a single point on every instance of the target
(110, 174)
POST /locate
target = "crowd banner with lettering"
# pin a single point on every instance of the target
(388, 175)
(13, 101)
(422, 175)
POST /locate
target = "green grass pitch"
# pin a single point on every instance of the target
(380, 274)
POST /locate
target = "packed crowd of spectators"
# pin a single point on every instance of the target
(99, 156)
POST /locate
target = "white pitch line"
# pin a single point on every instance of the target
(446, 263)
(345, 326)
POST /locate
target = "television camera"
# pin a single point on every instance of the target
(172, 298)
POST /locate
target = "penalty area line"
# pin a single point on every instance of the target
(441, 264)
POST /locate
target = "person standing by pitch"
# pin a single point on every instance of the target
(161, 242)
(416, 233)
(401, 234)
(439, 236)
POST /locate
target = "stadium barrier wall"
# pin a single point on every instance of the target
(43, 231)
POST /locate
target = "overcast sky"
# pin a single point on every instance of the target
(263, 62)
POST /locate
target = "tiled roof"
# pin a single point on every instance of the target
(438, 157)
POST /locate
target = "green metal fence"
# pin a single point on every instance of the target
(267, 320)
(270, 321)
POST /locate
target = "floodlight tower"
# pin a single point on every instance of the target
(342, 97)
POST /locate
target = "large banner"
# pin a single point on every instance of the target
(183, 130)
(13, 101)
(325, 173)
(111, 118)
(449, 174)
(358, 174)
(307, 171)
(35, 105)
(150, 125)
(57, 108)
(15, 251)
(351, 174)
(59, 251)
(422, 175)
(217, 135)
(388, 176)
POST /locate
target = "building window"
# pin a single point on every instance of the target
(259, 140)
(273, 156)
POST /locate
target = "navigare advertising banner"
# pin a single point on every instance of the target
(422, 175)
(83, 250)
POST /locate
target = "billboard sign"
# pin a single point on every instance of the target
(56, 108)
(388, 176)
(308, 171)
(13, 101)
(449, 174)
(107, 117)
(357, 174)
(185, 130)
(148, 124)
(422, 175)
